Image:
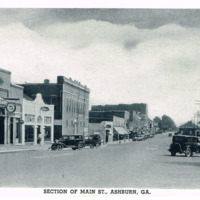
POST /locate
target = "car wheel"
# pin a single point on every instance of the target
(53, 148)
(59, 147)
(188, 152)
(97, 145)
(80, 146)
(91, 146)
(173, 153)
(74, 149)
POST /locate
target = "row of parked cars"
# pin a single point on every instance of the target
(80, 141)
(76, 142)
(141, 136)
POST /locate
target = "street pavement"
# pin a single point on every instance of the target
(28, 147)
(139, 164)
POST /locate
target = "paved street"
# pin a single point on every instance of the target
(142, 164)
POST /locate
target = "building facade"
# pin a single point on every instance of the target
(137, 107)
(11, 98)
(71, 101)
(38, 119)
(115, 123)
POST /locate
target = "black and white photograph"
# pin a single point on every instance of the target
(99, 101)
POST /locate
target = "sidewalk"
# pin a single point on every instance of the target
(120, 142)
(9, 148)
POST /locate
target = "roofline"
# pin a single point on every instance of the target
(17, 86)
(5, 71)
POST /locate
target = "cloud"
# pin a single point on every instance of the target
(119, 63)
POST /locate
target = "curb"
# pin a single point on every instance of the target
(15, 150)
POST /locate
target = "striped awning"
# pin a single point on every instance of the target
(121, 130)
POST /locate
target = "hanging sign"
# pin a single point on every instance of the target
(11, 107)
(44, 108)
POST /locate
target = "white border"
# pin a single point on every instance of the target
(100, 4)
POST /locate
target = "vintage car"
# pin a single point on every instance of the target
(170, 134)
(93, 141)
(184, 144)
(138, 138)
(69, 141)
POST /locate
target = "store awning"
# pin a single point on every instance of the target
(121, 130)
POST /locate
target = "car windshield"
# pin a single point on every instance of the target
(179, 139)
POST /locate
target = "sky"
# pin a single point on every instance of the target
(123, 55)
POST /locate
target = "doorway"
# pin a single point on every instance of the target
(11, 130)
(2, 128)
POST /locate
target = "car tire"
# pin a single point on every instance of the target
(91, 146)
(188, 152)
(80, 146)
(97, 145)
(173, 153)
(59, 147)
(74, 149)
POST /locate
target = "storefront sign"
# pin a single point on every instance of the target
(11, 107)
(44, 108)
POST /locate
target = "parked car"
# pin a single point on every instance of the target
(138, 138)
(170, 134)
(184, 144)
(159, 132)
(69, 141)
(93, 141)
(151, 135)
(132, 134)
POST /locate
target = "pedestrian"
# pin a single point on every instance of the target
(40, 138)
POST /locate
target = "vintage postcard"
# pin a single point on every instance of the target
(99, 102)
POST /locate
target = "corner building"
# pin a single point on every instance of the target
(71, 101)
(11, 99)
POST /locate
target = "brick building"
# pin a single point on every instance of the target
(71, 104)
(115, 123)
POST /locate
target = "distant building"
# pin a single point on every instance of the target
(188, 128)
(141, 108)
(138, 115)
(115, 123)
(71, 101)
(11, 97)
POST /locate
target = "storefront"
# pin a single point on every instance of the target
(38, 119)
(120, 132)
(11, 97)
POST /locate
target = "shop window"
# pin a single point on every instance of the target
(47, 136)
(29, 133)
(67, 108)
(29, 118)
(47, 120)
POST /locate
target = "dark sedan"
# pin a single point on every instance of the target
(69, 141)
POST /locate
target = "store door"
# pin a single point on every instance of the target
(2, 130)
(38, 132)
(11, 130)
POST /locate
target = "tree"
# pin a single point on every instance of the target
(157, 121)
(167, 123)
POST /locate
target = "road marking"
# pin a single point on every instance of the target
(152, 149)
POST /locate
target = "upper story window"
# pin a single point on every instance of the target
(29, 118)
(47, 120)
